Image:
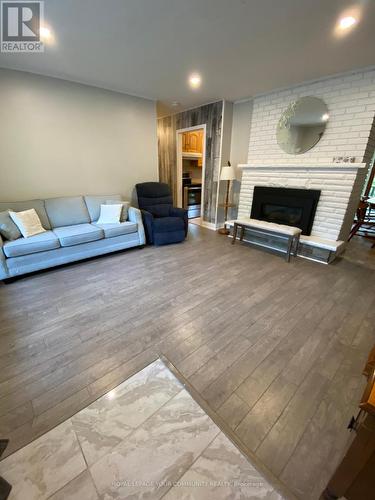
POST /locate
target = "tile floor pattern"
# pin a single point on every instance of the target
(136, 441)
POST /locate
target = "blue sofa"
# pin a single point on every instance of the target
(163, 222)
(72, 234)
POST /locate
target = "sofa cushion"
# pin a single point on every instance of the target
(77, 234)
(8, 228)
(67, 211)
(125, 209)
(111, 230)
(20, 206)
(110, 214)
(27, 222)
(38, 243)
(93, 204)
(168, 224)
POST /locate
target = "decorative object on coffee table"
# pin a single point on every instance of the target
(227, 174)
(5, 487)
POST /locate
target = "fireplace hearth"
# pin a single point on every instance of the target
(292, 207)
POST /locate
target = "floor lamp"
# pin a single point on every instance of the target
(227, 174)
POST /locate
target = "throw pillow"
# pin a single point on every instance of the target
(110, 214)
(125, 208)
(27, 222)
(8, 229)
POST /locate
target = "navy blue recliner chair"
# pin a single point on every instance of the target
(163, 222)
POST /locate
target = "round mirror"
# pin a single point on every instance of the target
(302, 125)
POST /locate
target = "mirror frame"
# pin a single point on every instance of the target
(291, 112)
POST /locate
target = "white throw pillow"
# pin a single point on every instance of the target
(27, 222)
(125, 208)
(110, 214)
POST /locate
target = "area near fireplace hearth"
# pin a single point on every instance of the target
(349, 133)
(339, 186)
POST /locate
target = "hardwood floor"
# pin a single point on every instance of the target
(276, 349)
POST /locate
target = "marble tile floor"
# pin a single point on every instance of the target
(147, 438)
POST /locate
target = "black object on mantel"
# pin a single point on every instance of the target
(5, 487)
(292, 207)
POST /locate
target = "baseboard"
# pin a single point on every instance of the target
(210, 225)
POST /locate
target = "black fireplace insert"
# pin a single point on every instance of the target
(292, 207)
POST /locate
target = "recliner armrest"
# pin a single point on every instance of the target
(134, 215)
(182, 213)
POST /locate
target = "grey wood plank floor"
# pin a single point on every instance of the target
(275, 349)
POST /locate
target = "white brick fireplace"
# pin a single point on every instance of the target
(350, 131)
(339, 183)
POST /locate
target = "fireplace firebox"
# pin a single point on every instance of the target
(292, 207)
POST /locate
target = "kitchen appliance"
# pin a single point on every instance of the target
(192, 196)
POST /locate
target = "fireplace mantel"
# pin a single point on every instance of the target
(346, 167)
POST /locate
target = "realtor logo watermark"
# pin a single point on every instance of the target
(20, 26)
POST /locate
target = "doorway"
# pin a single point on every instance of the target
(191, 164)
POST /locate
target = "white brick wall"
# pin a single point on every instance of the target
(350, 99)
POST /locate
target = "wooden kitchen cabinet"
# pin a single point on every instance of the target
(192, 142)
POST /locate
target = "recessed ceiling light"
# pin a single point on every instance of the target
(195, 80)
(347, 22)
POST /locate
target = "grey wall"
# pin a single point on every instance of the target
(242, 112)
(59, 138)
(226, 137)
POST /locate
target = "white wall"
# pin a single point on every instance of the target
(59, 138)
(350, 99)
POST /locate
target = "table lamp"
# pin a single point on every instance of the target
(227, 174)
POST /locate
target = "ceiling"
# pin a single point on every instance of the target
(240, 47)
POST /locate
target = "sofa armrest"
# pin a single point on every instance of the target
(134, 215)
(182, 213)
(148, 223)
(3, 266)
